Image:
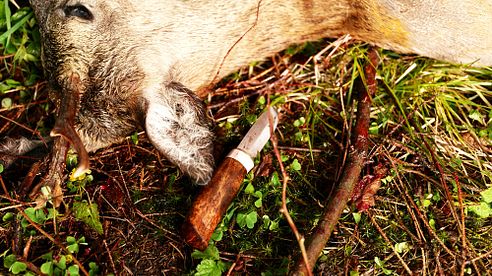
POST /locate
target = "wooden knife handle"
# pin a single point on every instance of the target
(212, 202)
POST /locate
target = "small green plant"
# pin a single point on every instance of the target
(380, 264)
(428, 200)
(250, 190)
(20, 43)
(74, 244)
(61, 265)
(87, 213)
(53, 265)
(295, 165)
(483, 209)
(82, 209)
(248, 219)
(13, 265)
(77, 185)
(58, 266)
(301, 135)
(134, 138)
(37, 215)
(402, 247)
(210, 263)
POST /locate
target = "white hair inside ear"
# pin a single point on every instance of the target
(177, 125)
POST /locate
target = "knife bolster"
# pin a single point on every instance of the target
(243, 158)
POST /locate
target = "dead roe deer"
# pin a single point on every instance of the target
(140, 62)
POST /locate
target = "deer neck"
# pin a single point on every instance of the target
(230, 37)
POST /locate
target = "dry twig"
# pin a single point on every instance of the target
(351, 173)
(385, 237)
(284, 210)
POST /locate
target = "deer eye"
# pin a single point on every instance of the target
(78, 11)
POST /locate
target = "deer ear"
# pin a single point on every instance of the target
(177, 125)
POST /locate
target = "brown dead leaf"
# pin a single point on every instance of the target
(367, 188)
(265, 168)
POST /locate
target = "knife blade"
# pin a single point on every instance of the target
(255, 139)
(213, 200)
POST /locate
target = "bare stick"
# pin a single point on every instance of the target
(351, 173)
(285, 211)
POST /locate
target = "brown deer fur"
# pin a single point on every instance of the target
(141, 61)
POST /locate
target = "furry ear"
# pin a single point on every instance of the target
(177, 125)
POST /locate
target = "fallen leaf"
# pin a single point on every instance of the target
(367, 188)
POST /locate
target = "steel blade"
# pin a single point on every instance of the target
(259, 134)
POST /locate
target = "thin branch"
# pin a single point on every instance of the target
(417, 210)
(444, 184)
(108, 251)
(284, 210)
(462, 224)
(485, 255)
(23, 106)
(351, 173)
(22, 126)
(383, 234)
